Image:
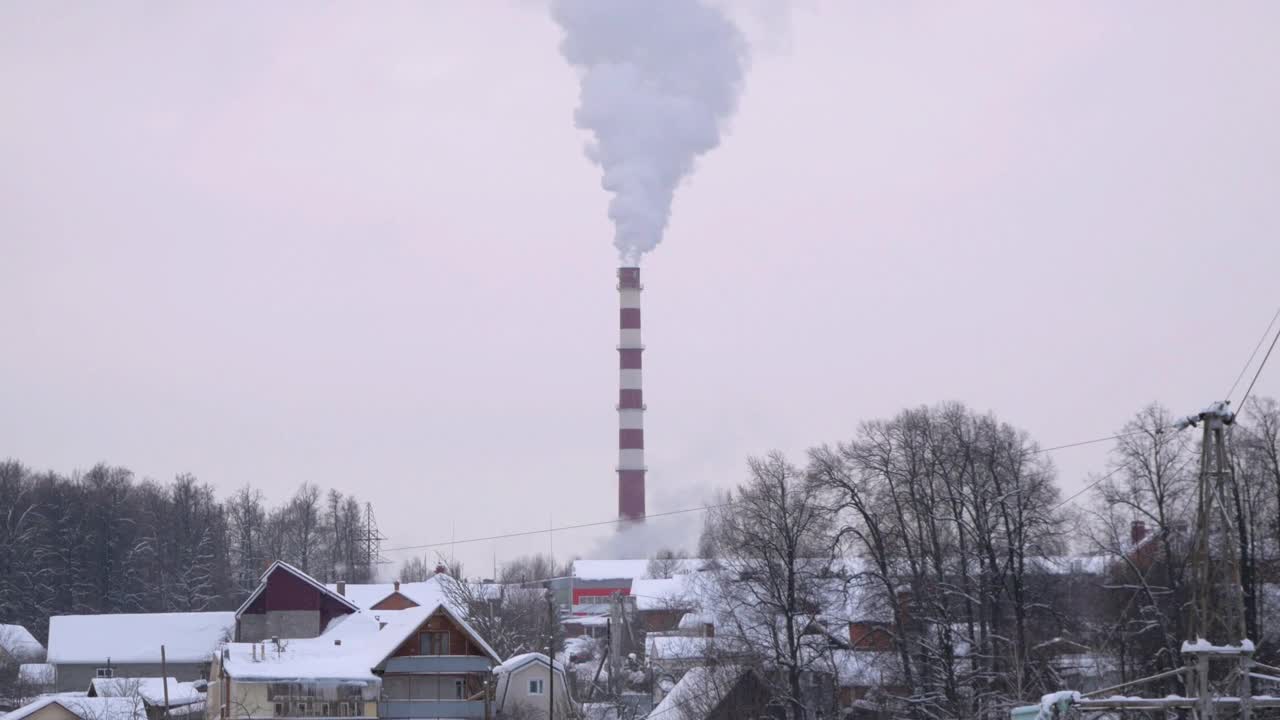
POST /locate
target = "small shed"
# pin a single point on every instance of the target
(525, 681)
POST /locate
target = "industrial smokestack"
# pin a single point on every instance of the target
(631, 467)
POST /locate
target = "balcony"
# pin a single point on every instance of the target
(439, 664)
(422, 709)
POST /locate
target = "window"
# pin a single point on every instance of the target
(535, 687)
(106, 672)
(434, 643)
(459, 689)
(302, 708)
(279, 710)
(325, 710)
(344, 709)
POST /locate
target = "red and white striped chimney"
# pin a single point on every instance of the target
(631, 467)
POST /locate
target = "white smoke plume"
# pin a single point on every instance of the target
(659, 78)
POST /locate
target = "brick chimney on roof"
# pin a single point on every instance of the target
(1137, 532)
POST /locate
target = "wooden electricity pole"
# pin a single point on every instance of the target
(551, 654)
(164, 680)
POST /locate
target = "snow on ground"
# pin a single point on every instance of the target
(136, 638)
(1204, 646)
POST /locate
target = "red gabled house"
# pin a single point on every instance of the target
(288, 603)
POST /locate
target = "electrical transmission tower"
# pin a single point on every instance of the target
(372, 541)
(1218, 668)
(1218, 611)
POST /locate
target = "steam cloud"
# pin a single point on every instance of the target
(658, 80)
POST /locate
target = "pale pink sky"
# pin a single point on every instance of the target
(358, 244)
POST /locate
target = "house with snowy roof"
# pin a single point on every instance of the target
(63, 707)
(128, 645)
(424, 661)
(157, 695)
(288, 603)
(18, 646)
(715, 692)
(525, 686)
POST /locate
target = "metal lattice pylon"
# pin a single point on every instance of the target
(1217, 613)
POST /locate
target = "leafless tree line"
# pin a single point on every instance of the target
(947, 528)
(100, 541)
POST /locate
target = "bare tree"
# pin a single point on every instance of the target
(510, 618)
(952, 514)
(1152, 480)
(775, 542)
(665, 563)
(535, 568)
(304, 524)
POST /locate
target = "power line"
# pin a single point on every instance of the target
(1087, 442)
(1259, 372)
(526, 533)
(616, 521)
(1252, 355)
(1088, 487)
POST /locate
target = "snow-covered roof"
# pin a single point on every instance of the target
(87, 708)
(518, 661)
(698, 693)
(627, 569)
(348, 651)
(861, 668)
(363, 595)
(662, 593)
(610, 569)
(683, 647)
(136, 638)
(428, 592)
(280, 564)
(36, 673)
(151, 690)
(18, 643)
(696, 621)
(586, 620)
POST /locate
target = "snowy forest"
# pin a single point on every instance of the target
(102, 541)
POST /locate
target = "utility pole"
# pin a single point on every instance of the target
(1217, 614)
(1217, 624)
(164, 680)
(615, 645)
(551, 654)
(1218, 611)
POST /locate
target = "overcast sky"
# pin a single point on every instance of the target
(359, 245)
